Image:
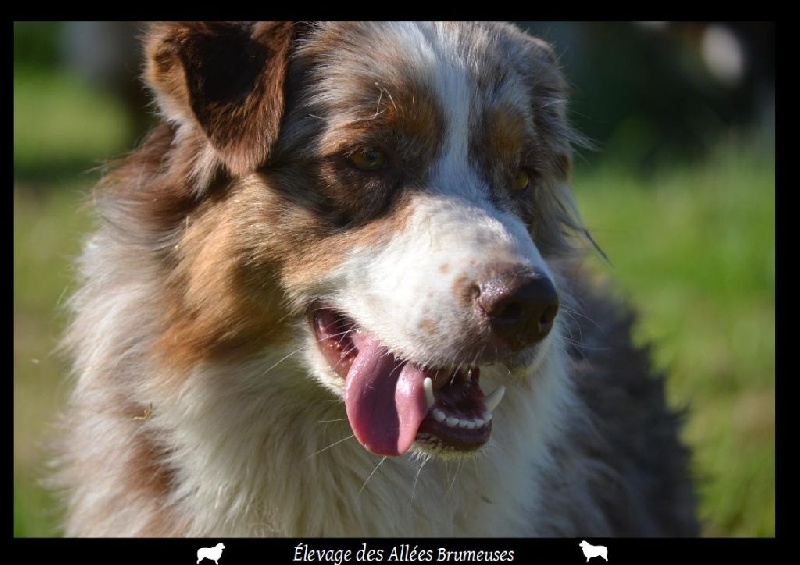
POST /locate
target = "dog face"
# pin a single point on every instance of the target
(391, 196)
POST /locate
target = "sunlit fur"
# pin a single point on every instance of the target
(202, 404)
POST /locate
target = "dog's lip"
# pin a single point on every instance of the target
(458, 418)
(338, 336)
(334, 333)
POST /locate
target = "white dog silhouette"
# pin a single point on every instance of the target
(590, 550)
(210, 553)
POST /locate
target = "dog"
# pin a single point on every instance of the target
(339, 291)
(590, 550)
(211, 553)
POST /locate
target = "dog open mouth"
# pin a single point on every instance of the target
(392, 402)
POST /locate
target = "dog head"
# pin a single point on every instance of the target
(391, 195)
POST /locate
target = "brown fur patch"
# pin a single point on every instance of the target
(228, 77)
(220, 303)
(239, 285)
(153, 480)
(505, 135)
(429, 326)
(502, 147)
(400, 118)
(465, 290)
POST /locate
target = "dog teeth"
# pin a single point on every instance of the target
(493, 399)
(465, 423)
(429, 398)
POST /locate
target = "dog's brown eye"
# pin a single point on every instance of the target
(370, 159)
(521, 181)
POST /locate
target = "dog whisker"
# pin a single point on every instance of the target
(417, 475)
(456, 473)
(281, 360)
(333, 420)
(374, 470)
(396, 369)
(574, 314)
(334, 444)
(596, 246)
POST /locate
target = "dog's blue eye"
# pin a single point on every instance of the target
(370, 159)
(521, 181)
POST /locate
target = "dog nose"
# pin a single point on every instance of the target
(520, 305)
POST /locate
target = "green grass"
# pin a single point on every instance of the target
(693, 248)
(63, 127)
(47, 228)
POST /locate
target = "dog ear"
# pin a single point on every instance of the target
(550, 95)
(228, 78)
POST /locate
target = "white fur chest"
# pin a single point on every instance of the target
(273, 459)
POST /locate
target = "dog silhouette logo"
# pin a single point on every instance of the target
(590, 550)
(210, 553)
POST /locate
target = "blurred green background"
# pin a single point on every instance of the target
(680, 195)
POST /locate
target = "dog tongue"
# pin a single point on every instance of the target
(384, 398)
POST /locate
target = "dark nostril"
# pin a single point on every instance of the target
(519, 306)
(507, 312)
